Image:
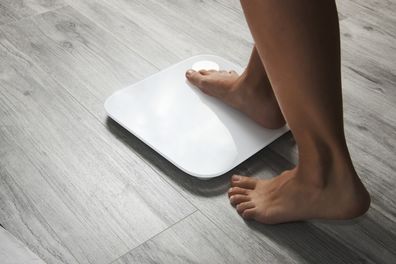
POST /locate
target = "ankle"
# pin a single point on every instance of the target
(325, 176)
(326, 166)
(253, 80)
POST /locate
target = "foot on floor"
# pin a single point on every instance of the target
(287, 198)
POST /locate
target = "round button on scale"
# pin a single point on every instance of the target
(205, 65)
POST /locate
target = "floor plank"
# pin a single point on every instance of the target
(165, 30)
(288, 243)
(68, 189)
(13, 10)
(363, 118)
(13, 251)
(369, 10)
(106, 45)
(192, 240)
(85, 59)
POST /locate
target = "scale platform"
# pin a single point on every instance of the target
(199, 134)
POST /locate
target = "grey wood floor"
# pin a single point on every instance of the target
(75, 187)
(14, 251)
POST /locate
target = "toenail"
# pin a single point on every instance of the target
(235, 178)
(189, 72)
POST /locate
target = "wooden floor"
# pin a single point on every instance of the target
(14, 251)
(75, 187)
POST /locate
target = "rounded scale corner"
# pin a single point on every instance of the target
(108, 105)
(107, 102)
(204, 176)
(191, 172)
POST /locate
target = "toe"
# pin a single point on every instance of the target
(237, 190)
(200, 80)
(194, 77)
(249, 213)
(243, 206)
(239, 198)
(243, 182)
(206, 72)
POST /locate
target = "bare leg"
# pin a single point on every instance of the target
(298, 43)
(250, 92)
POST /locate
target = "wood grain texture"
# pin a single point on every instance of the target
(79, 55)
(67, 188)
(13, 10)
(369, 116)
(195, 239)
(173, 30)
(13, 251)
(89, 62)
(288, 243)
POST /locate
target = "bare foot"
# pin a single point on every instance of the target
(287, 198)
(252, 96)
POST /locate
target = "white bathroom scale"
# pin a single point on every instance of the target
(199, 134)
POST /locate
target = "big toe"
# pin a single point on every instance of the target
(195, 77)
(243, 182)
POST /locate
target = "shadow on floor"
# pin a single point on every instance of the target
(213, 187)
(307, 242)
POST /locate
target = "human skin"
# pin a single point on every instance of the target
(293, 75)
